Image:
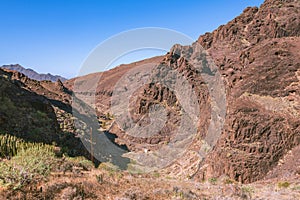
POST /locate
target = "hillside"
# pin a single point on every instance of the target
(244, 141)
(37, 111)
(257, 57)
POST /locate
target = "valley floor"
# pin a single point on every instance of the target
(107, 183)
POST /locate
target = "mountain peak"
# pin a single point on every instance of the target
(30, 73)
(274, 19)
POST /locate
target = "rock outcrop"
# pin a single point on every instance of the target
(38, 111)
(257, 58)
(257, 55)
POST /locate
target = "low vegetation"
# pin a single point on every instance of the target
(11, 145)
(32, 164)
(283, 184)
(213, 180)
(24, 162)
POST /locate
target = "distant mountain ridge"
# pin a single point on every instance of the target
(30, 73)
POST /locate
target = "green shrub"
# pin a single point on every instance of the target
(156, 174)
(229, 181)
(6, 105)
(107, 166)
(80, 162)
(72, 164)
(297, 187)
(11, 145)
(213, 180)
(283, 184)
(247, 189)
(29, 165)
(41, 115)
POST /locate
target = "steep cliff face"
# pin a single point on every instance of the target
(257, 55)
(38, 111)
(24, 113)
(274, 19)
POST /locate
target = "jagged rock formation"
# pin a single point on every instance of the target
(24, 113)
(257, 55)
(258, 58)
(37, 111)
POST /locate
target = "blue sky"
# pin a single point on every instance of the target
(57, 35)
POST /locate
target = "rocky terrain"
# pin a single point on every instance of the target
(256, 54)
(106, 183)
(33, 74)
(37, 111)
(255, 156)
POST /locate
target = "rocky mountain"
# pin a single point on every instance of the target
(245, 83)
(37, 111)
(33, 74)
(257, 57)
(24, 113)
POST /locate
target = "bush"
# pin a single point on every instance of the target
(29, 162)
(156, 174)
(213, 180)
(229, 181)
(11, 145)
(107, 166)
(283, 184)
(297, 187)
(80, 162)
(247, 189)
(6, 105)
(30, 165)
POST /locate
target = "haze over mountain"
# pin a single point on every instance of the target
(30, 73)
